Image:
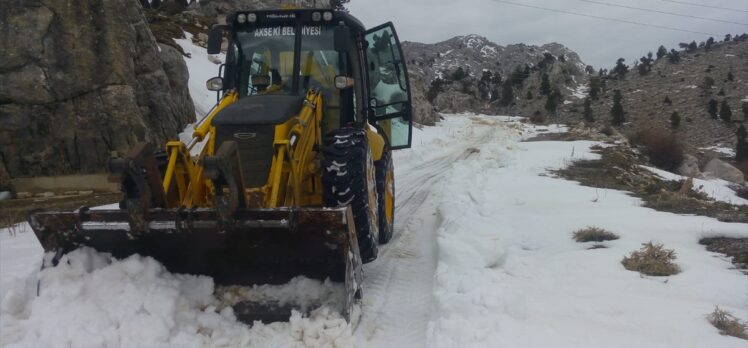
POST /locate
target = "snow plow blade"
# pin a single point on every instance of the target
(259, 246)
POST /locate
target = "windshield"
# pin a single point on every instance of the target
(267, 60)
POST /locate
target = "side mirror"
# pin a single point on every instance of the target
(215, 39)
(215, 84)
(344, 82)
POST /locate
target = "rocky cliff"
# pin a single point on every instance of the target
(80, 79)
(470, 73)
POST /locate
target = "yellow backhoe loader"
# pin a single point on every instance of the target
(290, 174)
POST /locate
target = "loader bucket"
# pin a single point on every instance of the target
(260, 246)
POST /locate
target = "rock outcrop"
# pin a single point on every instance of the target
(81, 79)
(468, 73)
(719, 169)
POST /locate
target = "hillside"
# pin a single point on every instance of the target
(719, 73)
(470, 73)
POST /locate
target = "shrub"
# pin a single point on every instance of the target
(594, 234)
(664, 150)
(675, 120)
(652, 259)
(728, 324)
(537, 118)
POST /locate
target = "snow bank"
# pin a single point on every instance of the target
(91, 300)
(510, 275)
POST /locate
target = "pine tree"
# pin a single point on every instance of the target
(709, 43)
(620, 69)
(529, 95)
(713, 108)
(545, 85)
(551, 102)
(595, 87)
(619, 116)
(675, 120)
(674, 56)
(667, 101)
(741, 149)
(745, 110)
(692, 46)
(724, 111)
(721, 92)
(730, 76)
(458, 74)
(588, 116)
(661, 52)
(507, 94)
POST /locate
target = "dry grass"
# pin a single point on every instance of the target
(594, 234)
(728, 324)
(653, 260)
(9, 220)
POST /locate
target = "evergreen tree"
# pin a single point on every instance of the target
(724, 111)
(588, 116)
(507, 94)
(667, 101)
(661, 52)
(745, 110)
(728, 37)
(709, 43)
(730, 76)
(646, 64)
(595, 87)
(713, 108)
(458, 74)
(692, 46)
(551, 102)
(529, 95)
(545, 85)
(674, 56)
(741, 150)
(708, 82)
(619, 116)
(620, 69)
(675, 120)
(721, 92)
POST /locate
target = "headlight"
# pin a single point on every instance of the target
(328, 16)
(251, 18)
(316, 16)
(241, 18)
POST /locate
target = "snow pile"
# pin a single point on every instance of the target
(91, 300)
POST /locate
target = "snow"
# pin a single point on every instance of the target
(722, 150)
(715, 188)
(482, 257)
(201, 69)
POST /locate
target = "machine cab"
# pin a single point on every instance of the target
(283, 53)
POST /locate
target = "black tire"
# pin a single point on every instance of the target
(386, 191)
(348, 178)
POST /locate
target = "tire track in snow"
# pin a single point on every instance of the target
(398, 286)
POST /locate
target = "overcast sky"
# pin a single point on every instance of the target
(599, 42)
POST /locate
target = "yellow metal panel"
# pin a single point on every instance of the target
(376, 144)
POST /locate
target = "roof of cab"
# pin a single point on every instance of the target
(262, 15)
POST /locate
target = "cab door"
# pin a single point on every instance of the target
(389, 104)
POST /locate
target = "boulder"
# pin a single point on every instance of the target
(689, 167)
(719, 169)
(81, 79)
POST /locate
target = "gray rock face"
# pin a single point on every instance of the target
(719, 169)
(689, 167)
(485, 65)
(79, 80)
